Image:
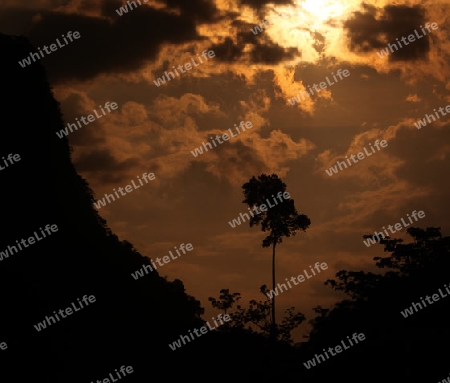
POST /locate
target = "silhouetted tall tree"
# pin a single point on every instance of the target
(278, 216)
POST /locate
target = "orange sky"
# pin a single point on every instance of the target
(251, 78)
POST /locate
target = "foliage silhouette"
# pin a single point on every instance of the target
(226, 300)
(425, 258)
(374, 302)
(258, 315)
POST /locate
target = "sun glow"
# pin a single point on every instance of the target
(314, 27)
(323, 9)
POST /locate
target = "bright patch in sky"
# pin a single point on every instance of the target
(323, 9)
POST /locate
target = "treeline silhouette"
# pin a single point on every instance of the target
(132, 322)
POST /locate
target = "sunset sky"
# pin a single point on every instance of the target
(252, 78)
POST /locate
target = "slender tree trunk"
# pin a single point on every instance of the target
(273, 297)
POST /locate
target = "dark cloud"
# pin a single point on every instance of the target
(202, 10)
(272, 54)
(228, 50)
(239, 160)
(105, 47)
(261, 3)
(425, 155)
(103, 165)
(120, 44)
(264, 51)
(366, 30)
(319, 42)
(109, 8)
(61, 3)
(16, 21)
(113, 43)
(88, 6)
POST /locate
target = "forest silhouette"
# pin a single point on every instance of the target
(133, 321)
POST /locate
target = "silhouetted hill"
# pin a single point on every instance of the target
(131, 321)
